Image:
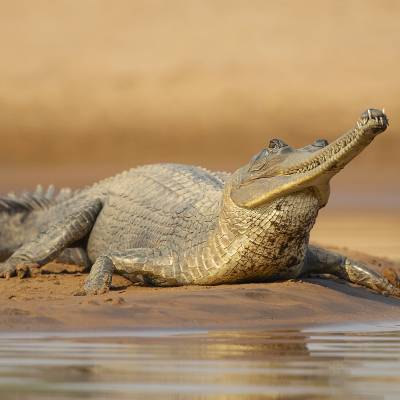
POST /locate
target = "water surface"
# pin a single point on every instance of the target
(356, 362)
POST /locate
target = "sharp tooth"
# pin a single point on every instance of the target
(369, 114)
(383, 110)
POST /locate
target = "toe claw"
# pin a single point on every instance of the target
(90, 288)
(7, 270)
(392, 276)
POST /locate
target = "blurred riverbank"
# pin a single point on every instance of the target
(209, 83)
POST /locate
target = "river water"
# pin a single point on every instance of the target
(345, 362)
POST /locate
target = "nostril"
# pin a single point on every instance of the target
(321, 143)
(372, 113)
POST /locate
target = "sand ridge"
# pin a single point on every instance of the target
(49, 302)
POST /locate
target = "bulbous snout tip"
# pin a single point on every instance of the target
(374, 119)
(375, 113)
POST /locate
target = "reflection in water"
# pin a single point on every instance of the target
(360, 363)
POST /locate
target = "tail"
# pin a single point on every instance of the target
(30, 201)
(14, 211)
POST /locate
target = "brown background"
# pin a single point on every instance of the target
(90, 87)
(192, 81)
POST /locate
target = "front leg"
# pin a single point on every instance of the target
(152, 266)
(48, 244)
(321, 261)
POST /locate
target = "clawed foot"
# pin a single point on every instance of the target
(91, 288)
(7, 270)
(392, 280)
(392, 276)
(99, 279)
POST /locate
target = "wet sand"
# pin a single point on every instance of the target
(48, 302)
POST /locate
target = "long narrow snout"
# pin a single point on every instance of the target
(335, 156)
(312, 169)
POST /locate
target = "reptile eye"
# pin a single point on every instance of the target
(321, 143)
(260, 156)
(276, 144)
(258, 160)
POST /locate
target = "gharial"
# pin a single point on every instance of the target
(171, 224)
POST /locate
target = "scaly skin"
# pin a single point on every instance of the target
(170, 224)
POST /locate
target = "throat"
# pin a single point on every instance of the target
(260, 244)
(269, 241)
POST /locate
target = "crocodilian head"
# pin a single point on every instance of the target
(279, 169)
